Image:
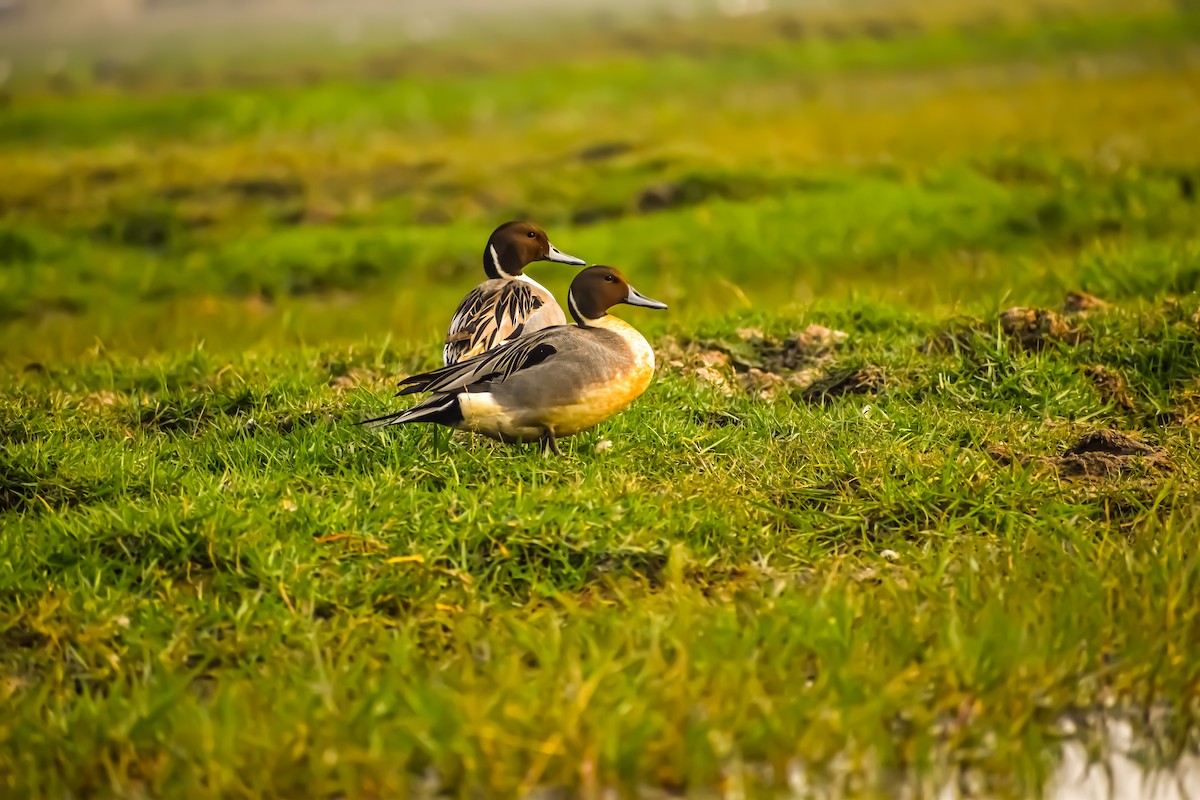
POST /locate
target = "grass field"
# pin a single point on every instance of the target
(869, 532)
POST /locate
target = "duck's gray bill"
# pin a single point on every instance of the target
(636, 298)
(563, 258)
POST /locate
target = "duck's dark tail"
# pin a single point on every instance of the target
(442, 409)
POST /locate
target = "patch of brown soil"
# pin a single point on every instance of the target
(864, 380)
(1100, 454)
(1082, 303)
(1111, 385)
(765, 366)
(764, 385)
(1107, 453)
(811, 346)
(1028, 328)
(1033, 328)
(1186, 409)
(960, 334)
(708, 365)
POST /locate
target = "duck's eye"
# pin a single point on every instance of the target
(608, 278)
(531, 234)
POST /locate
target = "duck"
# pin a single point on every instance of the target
(509, 303)
(552, 383)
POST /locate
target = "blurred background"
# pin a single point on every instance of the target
(264, 172)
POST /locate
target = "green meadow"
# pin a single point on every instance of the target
(912, 502)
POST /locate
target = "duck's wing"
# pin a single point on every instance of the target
(497, 364)
(492, 313)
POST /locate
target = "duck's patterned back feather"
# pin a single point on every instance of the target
(492, 313)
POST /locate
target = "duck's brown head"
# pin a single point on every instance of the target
(597, 289)
(514, 245)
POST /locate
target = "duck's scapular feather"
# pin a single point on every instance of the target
(498, 364)
(496, 312)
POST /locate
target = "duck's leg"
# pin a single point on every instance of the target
(550, 444)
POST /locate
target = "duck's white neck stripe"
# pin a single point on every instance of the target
(532, 282)
(496, 262)
(574, 308)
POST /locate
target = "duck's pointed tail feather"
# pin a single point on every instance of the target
(441, 408)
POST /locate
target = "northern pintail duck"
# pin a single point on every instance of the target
(509, 303)
(555, 382)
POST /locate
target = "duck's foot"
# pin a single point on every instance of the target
(550, 444)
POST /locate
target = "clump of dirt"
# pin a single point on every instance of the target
(1082, 303)
(1187, 187)
(812, 346)
(1027, 328)
(96, 401)
(1099, 454)
(314, 214)
(1111, 385)
(1034, 328)
(1110, 452)
(300, 420)
(1187, 405)
(768, 385)
(864, 380)
(960, 334)
(769, 367)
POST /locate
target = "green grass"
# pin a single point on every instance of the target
(213, 583)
